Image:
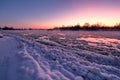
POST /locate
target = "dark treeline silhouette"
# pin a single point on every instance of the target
(12, 28)
(87, 26)
(7, 28)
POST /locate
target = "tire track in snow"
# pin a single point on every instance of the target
(44, 72)
(38, 72)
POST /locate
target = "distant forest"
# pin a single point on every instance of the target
(12, 28)
(86, 26)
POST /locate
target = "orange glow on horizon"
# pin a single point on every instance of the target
(92, 15)
(105, 16)
(60, 25)
(43, 14)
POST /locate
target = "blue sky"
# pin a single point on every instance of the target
(50, 13)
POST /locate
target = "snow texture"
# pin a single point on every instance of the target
(59, 55)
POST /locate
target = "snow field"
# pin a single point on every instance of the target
(56, 55)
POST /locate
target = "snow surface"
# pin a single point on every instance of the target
(1, 36)
(59, 55)
(8, 61)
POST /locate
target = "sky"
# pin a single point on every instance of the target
(54, 13)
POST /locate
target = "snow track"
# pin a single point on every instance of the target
(8, 60)
(38, 68)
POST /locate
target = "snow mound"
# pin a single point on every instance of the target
(1, 35)
(45, 40)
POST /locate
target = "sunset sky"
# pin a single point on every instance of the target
(51, 13)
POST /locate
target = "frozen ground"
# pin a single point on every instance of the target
(60, 55)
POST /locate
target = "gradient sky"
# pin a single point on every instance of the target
(50, 13)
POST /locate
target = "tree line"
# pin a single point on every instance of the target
(12, 28)
(87, 26)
